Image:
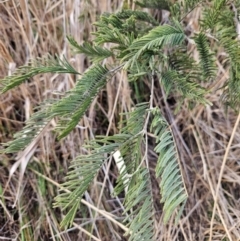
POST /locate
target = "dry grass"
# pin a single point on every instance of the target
(208, 139)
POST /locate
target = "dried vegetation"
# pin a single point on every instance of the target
(208, 137)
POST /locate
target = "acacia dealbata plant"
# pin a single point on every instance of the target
(145, 48)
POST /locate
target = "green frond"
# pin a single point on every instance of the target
(96, 53)
(110, 31)
(79, 177)
(212, 14)
(134, 178)
(206, 56)
(172, 187)
(85, 167)
(34, 127)
(72, 107)
(191, 4)
(228, 39)
(138, 203)
(231, 93)
(122, 28)
(156, 39)
(138, 15)
(182, 61)
(181, 9)
(134, 123)
(226, 26)
(184, 66)
(156, 4)
(171, 80)
(140, 69)
(131, 154)
(130, 148)
(43, 65)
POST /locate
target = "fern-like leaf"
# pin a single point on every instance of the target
(131, 147)
(181, 9)
(172, 80)
(82, 172)
(72, 107)
(158, 37)
(85, 167)
(139, 203)
(134, 178)
(206, 57)
(231, 96)
(43, 65)
(34, 127)
(183, 63)
(212, 15)
(96, 53)
(172, 187)
(229, 40)
(138, 15)
(156, 4)
(110, 31)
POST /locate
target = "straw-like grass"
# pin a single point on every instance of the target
(208, 138)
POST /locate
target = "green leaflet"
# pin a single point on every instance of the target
(140, 197)
(48, 64)
(172, 186)
(206, 57)
(72, 107)
(157, 38)
(156, 4)
(96, 53)
(171, 79)
(81, 174)
(212, 15)
(139, 15)
(33, 128)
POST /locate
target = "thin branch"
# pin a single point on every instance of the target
(147, 119)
